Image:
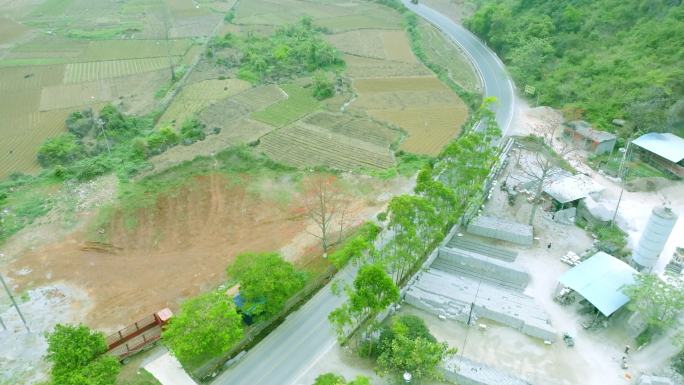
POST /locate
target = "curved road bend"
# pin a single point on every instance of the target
(491, 70)
(293, 348)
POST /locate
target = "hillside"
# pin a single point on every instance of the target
(599, 59)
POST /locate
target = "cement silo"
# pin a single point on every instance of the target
(655, 236)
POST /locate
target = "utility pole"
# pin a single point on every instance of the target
(9, 293)
(622, 173)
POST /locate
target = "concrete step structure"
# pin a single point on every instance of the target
(466, 243)
(465, 299)
(502, 229)
(468, 263)
(463, 371)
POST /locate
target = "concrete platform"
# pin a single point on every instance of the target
(460, 298)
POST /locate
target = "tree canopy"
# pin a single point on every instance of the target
(77, 357)
(266, 280)
(205, 326)
(408, 346)
(657, 301)
(605, 59)
(296, 49)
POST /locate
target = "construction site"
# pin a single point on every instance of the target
(528, 291)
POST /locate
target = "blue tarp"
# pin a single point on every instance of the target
(599, 280)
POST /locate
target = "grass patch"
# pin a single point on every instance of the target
(299, 103)
(610, 164)
(23, 199)
(443, 53)
(407, 164)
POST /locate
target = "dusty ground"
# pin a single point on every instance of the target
(179, 247)
(636, 204)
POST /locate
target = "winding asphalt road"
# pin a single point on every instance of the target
(491, 70)
(286, 354)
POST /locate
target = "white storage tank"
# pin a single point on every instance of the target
(655, 236)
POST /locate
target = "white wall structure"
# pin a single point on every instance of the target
(655, 236)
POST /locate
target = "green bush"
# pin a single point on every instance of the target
(293, 50)
(77, 357)
(162, 139)
(323, 87)
(192, 130)
(80, 123)
(60, 150)
(678, 363)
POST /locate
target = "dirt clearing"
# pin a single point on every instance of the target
(178, 246)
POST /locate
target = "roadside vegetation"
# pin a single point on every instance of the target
(77, 357)
(658, 302)
(446, 191)
(334, 379)
(601, 60)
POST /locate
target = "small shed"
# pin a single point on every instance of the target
(600, 280)
(585, 136)
(570, 189)
(664, 150)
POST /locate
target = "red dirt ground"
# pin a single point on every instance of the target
(179, 247)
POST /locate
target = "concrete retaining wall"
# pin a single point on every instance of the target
(491, 269)
(463, 371)
(502, 229)
(452, 296)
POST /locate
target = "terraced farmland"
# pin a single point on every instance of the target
(91, 71)
(425, 108)
(305, 146)
(197, 96)
(378, 44)
(299, 103)
(363, 67)
(261, 97)
(429, 128)
(356, 127)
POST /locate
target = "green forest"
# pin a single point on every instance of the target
(595, 59)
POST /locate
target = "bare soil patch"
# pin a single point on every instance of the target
(180, 246)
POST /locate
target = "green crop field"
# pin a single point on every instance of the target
(299, 103)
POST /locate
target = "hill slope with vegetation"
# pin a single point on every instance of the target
(598, 59)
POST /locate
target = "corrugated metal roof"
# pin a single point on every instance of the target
(600, 280)
(572, 188)
(669, 146)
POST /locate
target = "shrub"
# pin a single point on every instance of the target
(77, 357)
(205, 327)
(161, 140)
(678, 363)
(192, 130)
(80, 123)
(60, 150)
(323, 87)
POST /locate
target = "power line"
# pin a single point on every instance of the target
(9, 293)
